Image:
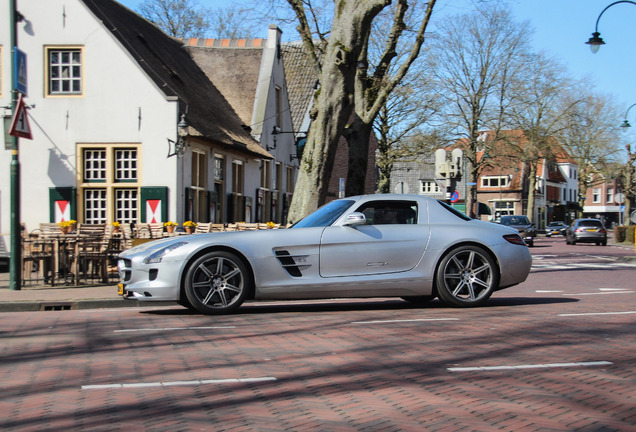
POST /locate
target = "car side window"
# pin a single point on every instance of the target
(389, 212)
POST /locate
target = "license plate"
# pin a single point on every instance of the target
(591, 230)
(120, 289)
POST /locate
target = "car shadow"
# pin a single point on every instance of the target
(256, 307)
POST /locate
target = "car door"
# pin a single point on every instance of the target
(391, 241)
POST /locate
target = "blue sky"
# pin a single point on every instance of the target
(561, 29)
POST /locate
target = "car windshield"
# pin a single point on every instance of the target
(515, 220)
(325, 215)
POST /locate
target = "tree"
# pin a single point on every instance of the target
(392, 56)
(230, 23)
(479, 56)
(589, 132)
(539, 111)
(178, 18)
(398, 126)
(343, 82)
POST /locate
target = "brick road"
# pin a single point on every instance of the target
(379, 365)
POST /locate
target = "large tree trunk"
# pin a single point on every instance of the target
(358, 140)
(532, 186)
(333, 102)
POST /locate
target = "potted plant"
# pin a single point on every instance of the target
(170, 226)
(116, 226)
(189, 226)
(67, 226)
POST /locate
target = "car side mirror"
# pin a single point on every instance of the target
(354, 219)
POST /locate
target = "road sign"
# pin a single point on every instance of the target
(20, 124)
(455, 197)
(20, 64)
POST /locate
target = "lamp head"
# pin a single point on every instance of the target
(625, 124)
(595, 42)
(182, 127)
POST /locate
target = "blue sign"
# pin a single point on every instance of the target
(20, 64)
(455, 197)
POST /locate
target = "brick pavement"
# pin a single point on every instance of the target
(334, 369)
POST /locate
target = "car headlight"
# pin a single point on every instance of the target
(158, 255)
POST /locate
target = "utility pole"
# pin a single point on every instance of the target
(15, 270)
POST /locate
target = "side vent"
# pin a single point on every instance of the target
(288, 263)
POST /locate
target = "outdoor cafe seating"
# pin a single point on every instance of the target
(87, 254)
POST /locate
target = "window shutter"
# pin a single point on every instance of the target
(154, 204)
(62, 204)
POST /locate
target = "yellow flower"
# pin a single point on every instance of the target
(271, 224)
(189, 224)
(115, 224)
(68, 223)
(170, 223)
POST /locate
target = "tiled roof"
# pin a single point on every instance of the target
(302, 79)
(234, 71)
(166, 61)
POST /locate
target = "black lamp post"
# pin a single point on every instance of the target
(596, 41)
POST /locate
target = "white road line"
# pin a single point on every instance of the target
(172, 329)
(613, 289)
(401, 321)
(597, 313)
(599, 293)
(529, 366)
(177, 383)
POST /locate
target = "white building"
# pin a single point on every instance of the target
(106, 91)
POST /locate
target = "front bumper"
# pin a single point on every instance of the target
(148, 282)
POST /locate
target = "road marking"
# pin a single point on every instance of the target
(172, 329)
(177, 383)
(613, 289)
(400, 321)
(598, 313)
(549, 291)
(529, 366)
(599, 293)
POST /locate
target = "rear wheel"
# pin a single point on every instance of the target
(217, 283)
(466, 277)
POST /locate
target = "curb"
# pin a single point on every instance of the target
(56, 305)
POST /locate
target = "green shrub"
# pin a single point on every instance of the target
(619, 233)
(624, 233)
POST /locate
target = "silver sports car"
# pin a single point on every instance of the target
(405, 246)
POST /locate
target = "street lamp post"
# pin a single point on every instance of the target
(596, 41)
(15, 264)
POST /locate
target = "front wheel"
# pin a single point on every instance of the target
(466, 277)
(217, 283)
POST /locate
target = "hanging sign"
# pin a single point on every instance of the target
(20, 124)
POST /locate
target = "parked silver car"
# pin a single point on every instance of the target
(586, 231)
(405, 246)
(522, 224)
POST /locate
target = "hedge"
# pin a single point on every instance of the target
(624, 233)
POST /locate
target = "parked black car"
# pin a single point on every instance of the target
(556, 228)
(586, 231)
(526, 229)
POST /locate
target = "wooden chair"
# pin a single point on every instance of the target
(217, 227)
(202, 227)
(91, 252)
(156, 230)
(49, 229)
(38, 257)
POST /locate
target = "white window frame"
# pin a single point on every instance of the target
(596, 195)
(111, 192)
(495, 181)
(429, 187)
(74, 72)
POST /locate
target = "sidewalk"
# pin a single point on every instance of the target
(40, 298)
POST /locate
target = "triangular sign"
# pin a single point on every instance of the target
(20, 124)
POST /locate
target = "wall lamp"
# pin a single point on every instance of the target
(596, 41)
(275, 131)
(179, 146)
